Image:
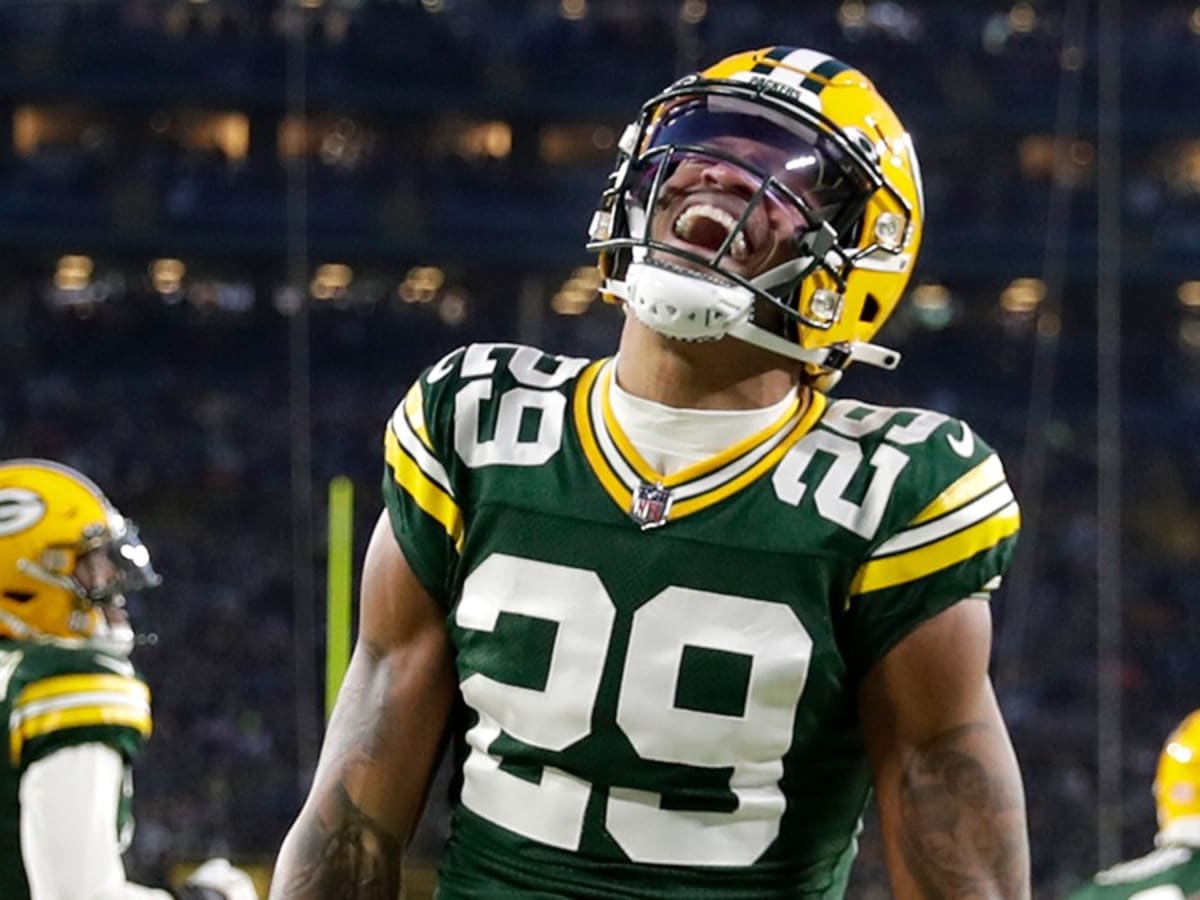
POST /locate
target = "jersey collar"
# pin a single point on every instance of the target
(622, 471)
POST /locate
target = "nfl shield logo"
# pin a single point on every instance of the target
(651, 504)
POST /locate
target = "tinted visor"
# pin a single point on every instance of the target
(802, 166)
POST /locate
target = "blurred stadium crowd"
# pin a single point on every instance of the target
(213, 211)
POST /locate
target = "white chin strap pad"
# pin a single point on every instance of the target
(690, 308)
(684, 307)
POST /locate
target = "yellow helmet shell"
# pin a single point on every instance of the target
(1177, 780)
(49, 516)
(862, 268)
(894, 217)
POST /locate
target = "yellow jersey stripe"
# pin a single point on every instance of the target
(426, 492)
(411, 444)
(963, 517)
(135, 717)
(974, 483)
(620, 494)
(801, 428)
(414, 411)
(890, 571)
(591, 415)
(630, 454)
(82, 683)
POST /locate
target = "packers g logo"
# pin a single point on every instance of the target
(20, 509)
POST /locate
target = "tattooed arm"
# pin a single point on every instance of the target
(951, 805)
(382, 744)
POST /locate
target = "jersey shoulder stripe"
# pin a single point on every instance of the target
(74, 701)
(889, 571)
(417, 471)
(974, 484)
(995, 500)
(951, 500)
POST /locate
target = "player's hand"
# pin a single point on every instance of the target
(217, 879)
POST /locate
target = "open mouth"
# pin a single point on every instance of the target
(708, 226)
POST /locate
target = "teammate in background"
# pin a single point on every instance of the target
(693, 607)
(77, 711)
(1172, 870)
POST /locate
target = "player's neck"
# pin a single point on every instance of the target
(725, 374)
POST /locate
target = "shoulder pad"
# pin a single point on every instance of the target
(57, 692)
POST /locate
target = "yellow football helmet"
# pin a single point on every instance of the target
(50, 518)
(827, 151)
(1177, 783)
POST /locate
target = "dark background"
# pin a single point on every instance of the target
(231, 234)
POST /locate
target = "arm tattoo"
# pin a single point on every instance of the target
(354, 859)
(962, 817)
(341, 852)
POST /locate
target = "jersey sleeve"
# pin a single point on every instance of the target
(425, 514)
(952, 535)
(69, 696)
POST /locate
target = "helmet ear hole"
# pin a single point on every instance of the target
(870, 309)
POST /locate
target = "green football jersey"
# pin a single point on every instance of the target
(659, 674)
(56, 696)
(1167, 873)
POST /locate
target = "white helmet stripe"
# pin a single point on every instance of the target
(805, 61)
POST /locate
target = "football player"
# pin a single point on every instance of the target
(680, 609)
(77, 711)
(1172, 870)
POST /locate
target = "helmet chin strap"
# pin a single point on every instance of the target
(1183, 830)
(682, 306)
(690, 307)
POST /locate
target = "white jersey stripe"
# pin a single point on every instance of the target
(975, 511)
(412, 445)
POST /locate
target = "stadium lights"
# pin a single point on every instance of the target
(74, 272)
(577, 292)
(421, 284)
(693, 12)
(452, 309)
(852, 14)
(491, 139)
(1023, 295)
(932, 305)
(573, 10)
(1022, 18)
(330, 281)
(166, 275)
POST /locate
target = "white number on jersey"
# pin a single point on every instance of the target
(753, 744)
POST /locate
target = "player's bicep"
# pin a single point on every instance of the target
(386, 729)
(949, 790)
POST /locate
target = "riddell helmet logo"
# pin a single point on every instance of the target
(20, 509)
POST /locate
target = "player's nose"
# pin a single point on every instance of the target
(723, 175)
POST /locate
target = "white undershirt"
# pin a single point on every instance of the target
(69, 839)
(670, 438)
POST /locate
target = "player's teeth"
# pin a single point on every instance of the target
(690, 216)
